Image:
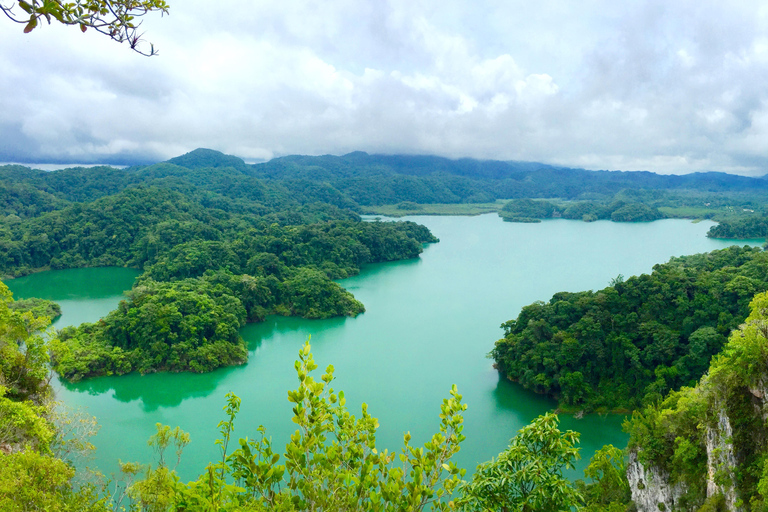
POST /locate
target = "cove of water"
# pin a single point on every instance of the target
(429, 323)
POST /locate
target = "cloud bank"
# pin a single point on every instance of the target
(667, 87)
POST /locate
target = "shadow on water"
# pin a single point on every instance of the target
(520, 406)
(154, 390)
(296, 327)
(380, 271)
(74, 284)
(513, 399)
(169, 390)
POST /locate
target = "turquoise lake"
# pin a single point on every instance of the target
(429, 323)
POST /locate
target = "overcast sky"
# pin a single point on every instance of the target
(664, 86)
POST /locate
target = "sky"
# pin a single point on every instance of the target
(669, 87)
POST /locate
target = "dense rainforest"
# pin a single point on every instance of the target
(705, 447)
(218, 249)
(617, 210)
(359, 180)
(631, 343)
(388, 179)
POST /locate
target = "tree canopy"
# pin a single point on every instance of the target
(632, 342)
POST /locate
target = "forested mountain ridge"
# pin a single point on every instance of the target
(528, 174)
(359, 179)
(388, 179)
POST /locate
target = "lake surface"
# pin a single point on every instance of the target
(429, 323)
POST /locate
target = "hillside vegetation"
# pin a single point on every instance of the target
(631, 343)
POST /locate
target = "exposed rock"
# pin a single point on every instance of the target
(760, 391)
(721, 461)
(650, 487)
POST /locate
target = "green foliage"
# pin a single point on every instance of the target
(23, 351)
(261, 264)
(435, 209)
(311, 294)
(24, 424)
(113, 18)
(202, 158)
(527, 209)
(185, 325)
(32, 477)
(631, 343)
(636, 212)
(527, 476)
(619, 210)
(408, 205)
(330, 463)
(608, 490)
(182, 236)
(192, 324)
(390, 179)
(38, 307)
(715, 503)
(30, 480)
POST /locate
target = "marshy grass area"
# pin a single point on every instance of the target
(408, 208)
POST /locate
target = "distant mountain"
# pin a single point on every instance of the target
(388, 179)
(202, 158)
(359, 181)
(360, 164)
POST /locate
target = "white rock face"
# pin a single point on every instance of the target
(760, 391)
(650, 487)
(720, 458)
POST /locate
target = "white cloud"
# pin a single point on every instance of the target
(672, 87)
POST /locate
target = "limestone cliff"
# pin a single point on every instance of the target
(650, 487)
(706, 448)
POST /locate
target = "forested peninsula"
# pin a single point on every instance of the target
(629, 344)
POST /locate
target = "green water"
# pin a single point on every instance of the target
(84, 294)
(429, 324)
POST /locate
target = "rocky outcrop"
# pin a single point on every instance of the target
(721, 461)
(650, 487)
(722, 421)
(760, 391)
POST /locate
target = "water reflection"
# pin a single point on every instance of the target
(512, 398)
(74, 284)
(297, 328)
(153, 390)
